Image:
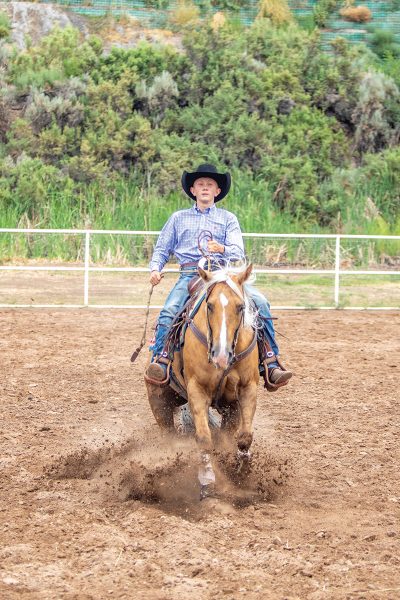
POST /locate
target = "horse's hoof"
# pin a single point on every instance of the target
(243, 462)
(207, 491)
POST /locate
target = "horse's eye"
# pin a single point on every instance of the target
(210, 306)
(240, 308)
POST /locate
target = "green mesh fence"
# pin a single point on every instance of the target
(384, 17)
(153, 13)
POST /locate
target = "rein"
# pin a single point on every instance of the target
(143, 340)
(206, 236)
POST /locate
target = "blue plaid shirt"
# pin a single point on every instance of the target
(179, 236)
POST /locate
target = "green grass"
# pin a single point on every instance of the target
(122, 204)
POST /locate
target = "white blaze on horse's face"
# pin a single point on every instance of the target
(222, 358)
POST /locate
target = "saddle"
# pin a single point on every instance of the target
(175, 339)
(176, 336)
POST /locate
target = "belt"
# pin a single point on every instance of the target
(188, 265)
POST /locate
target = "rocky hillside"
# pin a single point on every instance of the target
(37, 20)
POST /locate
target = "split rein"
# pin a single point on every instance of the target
(143, 340)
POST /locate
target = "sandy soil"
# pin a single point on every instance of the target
(95, 504)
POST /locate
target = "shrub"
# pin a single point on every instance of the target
(376, 113)
(185, 14)
(218, 20)
(42, 111)
(384, 44)
(59, 55)
(277, 10)
(157, 97)
(358, 14)
(5, 26)
(27, 184)
(322, 10)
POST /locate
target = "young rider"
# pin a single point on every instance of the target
(179, 237)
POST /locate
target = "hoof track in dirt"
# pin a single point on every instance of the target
(267, 473)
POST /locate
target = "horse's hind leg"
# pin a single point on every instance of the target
(162, 406)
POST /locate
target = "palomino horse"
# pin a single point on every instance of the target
(220, 367)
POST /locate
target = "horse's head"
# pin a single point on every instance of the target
(226, 305)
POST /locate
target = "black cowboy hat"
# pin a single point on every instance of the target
(223, 180)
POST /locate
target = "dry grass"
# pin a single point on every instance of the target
(357, 14)
(277, 10)
(186, 13)
(218, 20)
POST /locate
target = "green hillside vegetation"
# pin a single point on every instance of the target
(312, 139)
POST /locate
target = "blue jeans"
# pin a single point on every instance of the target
(178, 297)
(176, 300)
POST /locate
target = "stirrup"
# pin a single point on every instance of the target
(272, 387)
(163, 382)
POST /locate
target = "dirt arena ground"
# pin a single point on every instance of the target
(95, 504)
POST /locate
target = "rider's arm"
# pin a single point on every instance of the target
(165, 246)
(233, 236)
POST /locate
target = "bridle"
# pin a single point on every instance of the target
(208, 340)
(209, 328)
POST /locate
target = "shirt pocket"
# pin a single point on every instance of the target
(218, 230)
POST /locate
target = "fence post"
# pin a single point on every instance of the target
(87, 262)
(337, 271)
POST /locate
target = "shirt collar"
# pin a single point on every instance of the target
(208, 211)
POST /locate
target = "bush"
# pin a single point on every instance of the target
(5, 26)
(322, 10)
(358, 14)
(384, 44)
(276, 10)
(60, 55)
(27, 184)
(185, 14)
(376, 113)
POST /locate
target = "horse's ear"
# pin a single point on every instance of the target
(204, 274)
(242, 277)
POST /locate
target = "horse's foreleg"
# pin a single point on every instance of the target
(199, 404)
(247, 403)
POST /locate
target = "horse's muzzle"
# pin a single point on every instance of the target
(221, 358)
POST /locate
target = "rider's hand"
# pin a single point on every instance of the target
(213, 246)
(155, 277)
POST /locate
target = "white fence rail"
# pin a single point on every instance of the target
(337, 272)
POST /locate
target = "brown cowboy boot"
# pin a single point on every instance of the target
(157, 373)
(275, 377)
